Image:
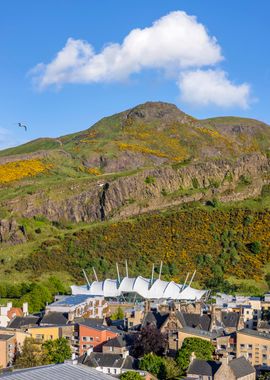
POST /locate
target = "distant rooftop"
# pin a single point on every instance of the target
(6, 336)
(254, 333)
(65, 371)
(71, 300)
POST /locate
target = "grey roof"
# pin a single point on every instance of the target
(203, 367)
(156, 318)
(241, 367)
(20, 322)
(99, 359)
(54, 318)
(58, 372)
(6, 336)
(230, 319)
(120, 341)
(203, 333)
(263, 325)
(256, 333)
(198, 321)
(97, 324)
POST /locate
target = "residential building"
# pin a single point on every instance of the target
(8, 313)
(118, 345)
(80, 305)
(7, 349)
(114, 364)
(93, 334)
(254, 346)
(235, 369)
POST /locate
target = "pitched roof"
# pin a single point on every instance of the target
(241, 367)
(98, 359)
(120, 341)
(230, 319)
(156, 318)
(54, 318)
(203, 367)
(58, 372)
(20, 322)
(256, 333)
(6, 336)
(202, 322)
(97, 324)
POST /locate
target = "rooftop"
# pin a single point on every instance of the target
(65, 371)
(254, 333)
(70, 301)
(6, 336)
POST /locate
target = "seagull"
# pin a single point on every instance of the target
(22, 126)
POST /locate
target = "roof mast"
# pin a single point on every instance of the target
(126, 268)
(192, 278)
(87, 280)
(118, 274)
(152, 276)
(160, 270)
(95, 274)
(184, 284)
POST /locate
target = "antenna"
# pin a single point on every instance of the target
(118, 274)
(126, 268)
(185, 282)
(95, 274)
(152, 276)
(160, 270)
(192, 278)
(87, 280)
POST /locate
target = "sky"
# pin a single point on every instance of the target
(64, 64)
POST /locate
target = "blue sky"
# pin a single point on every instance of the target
(231, 76)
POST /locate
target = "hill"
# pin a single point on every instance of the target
(131, 169)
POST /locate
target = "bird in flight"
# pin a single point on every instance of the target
(22, 126)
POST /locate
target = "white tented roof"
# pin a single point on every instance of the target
(159, 289)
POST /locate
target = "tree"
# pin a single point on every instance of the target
(149, 340)
(162, 367)
(31, 355)
(131, 375)
(151, 363)
(254, 247)
(201, 348)
(56, 351)
(119, 314)
(169, 369)
(267, 279)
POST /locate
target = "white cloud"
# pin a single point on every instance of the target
(174, 42)
(212, 87)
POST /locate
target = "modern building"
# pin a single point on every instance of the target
(254, 346)
(79, 305)
(140, 287)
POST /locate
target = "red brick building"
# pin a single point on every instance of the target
(93, 334)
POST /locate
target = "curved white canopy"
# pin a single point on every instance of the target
(159, 289)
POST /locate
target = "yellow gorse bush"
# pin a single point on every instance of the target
(94, 171)
(13, 171)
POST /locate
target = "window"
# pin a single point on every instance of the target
(84, 338)
(250, 346)
(242, 346)
(250, 355)
(264, 356)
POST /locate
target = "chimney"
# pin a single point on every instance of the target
(71, 316)
(89, 350)
(25, 308)
(9, 305)
(192, 357)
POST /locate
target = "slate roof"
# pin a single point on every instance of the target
(203, 367)
(254, 333)
(120, 341)
(54, 318)
(20, 322)
(202, 322)
(58, 372)
(230, 319)
(6, 336)
(97, 324)
(263, 325)
(156, 318)
(241, 367)
(99, 359)
(193, 320)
